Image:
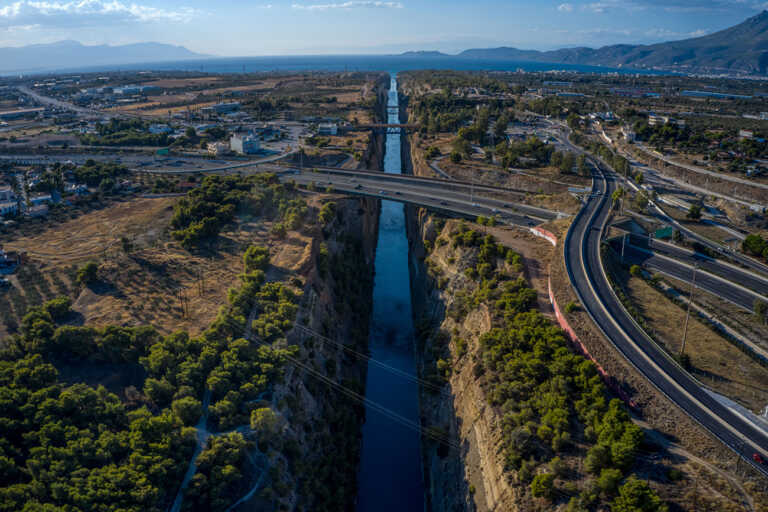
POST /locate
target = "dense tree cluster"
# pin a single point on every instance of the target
(755, 245)
(200, 216)
(532, 152)
(73, 447)
(124, 132)
(99, 174)
(552, 401)
(76, 448)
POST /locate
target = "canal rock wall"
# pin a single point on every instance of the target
(472, 477)
(316, 467)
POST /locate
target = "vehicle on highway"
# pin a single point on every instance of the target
(358, 186)
(382, 192)
(443, 203)
(757, 458)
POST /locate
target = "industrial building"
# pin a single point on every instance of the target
(244, 144)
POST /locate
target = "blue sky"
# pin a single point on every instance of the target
(274, 27)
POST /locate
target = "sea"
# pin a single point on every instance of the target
(335, 63)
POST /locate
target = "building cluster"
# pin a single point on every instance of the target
(657, 120)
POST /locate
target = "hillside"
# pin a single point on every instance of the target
(69, 54)
(742, 48)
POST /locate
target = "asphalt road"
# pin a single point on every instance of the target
(710, 277)
(584, 265)
(435, 196)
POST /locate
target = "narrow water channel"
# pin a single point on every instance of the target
(390, 476)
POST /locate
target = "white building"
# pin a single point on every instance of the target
(327, 129)
(41, 199)
(746, 134)
(244, 144)
(217, 148)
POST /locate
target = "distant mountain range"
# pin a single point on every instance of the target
(71, 54)
(739, 49)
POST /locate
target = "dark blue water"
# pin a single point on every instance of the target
(390, 477)
(391, 63)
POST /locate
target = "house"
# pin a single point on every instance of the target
(38, 210)
(328, 129)
(746, 134)
(10, 260)
(76, 188)
(628, 133)
(41, 199)
(7, 194)
(9, 208)
(244, 144)
(217, 148)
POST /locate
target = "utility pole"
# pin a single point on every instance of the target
(688, 310)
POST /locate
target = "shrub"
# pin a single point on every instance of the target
(87, 274)
(609, 480)
(636, 270)
(543, 485)
(256, 257)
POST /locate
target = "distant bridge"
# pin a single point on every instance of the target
(381, 127)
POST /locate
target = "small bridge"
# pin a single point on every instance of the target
(381, 127)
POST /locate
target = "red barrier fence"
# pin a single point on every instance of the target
(565, 326)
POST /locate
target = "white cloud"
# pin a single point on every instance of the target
(667, 35)
(565, 7)
(349, 5)
(78, 13)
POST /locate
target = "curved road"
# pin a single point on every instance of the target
(585, 269)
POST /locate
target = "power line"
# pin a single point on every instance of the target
(365, 357)
(354, 395)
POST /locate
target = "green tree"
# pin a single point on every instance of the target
(636, 496)
(187, 409)
(87, 274)
(609, 480)
(59, 308)
(694, 212)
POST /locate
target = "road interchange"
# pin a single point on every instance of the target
(585, 269)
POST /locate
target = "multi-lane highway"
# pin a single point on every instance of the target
(730, 282)
(442, 195)
(585, 269)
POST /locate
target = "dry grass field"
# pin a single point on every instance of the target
(156, 282)
(717, 363)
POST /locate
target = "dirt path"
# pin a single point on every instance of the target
(676, 449)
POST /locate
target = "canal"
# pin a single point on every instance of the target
(390, 477)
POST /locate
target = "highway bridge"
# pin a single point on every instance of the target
(584, 265)
(445, 196)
